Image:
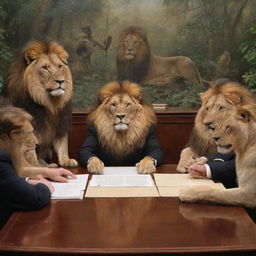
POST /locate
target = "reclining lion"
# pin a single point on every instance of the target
(136, 63)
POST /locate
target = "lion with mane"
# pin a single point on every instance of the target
(121, 130)
(136, 63)
(40, 82)
(218, 102)
(238, 133)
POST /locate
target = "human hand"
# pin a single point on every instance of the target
(59, 174)
(43, 181)
(146, 165)
(95, 165)
(197, 170)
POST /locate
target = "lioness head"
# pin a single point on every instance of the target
(121, 117)
(133, 44)
(237, 130)
(42, 69)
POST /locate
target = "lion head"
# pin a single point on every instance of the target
(121, 117)
(133, 54)
(237, 131)
(16, 134)
(41, 73)
(219, 101)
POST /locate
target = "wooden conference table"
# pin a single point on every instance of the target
(130, 226)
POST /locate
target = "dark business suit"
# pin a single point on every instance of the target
(92, 147)
(16, 194)
(223, 168)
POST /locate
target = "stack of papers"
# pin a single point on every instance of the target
(73, 189)
(169, 185)
(121, 182)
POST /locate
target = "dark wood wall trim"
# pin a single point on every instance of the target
(173, 129)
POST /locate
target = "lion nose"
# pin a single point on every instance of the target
(60, 82)
(121, 116)
(216, 138)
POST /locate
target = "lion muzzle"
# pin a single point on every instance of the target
(120, 124)
(59, 91)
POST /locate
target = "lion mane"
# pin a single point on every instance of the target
(136, 63)
(121, 98)
(237, 133)
(40, 81)
(218, 102)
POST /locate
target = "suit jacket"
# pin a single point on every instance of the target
(91, 147)
(16, 194)
(223, 168)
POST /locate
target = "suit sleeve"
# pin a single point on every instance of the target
(223, 168)
(16, 193)
(89, 147)
(152, 146)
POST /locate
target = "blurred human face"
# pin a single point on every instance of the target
(25, 138)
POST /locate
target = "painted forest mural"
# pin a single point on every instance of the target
(219, 36)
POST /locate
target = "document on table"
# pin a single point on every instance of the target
(73, 189)
(121, 182)
(169, 185)
(139, 180)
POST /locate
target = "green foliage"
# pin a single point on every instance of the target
(248, 50)
(4, 48)
(180, 94)
(85, 90)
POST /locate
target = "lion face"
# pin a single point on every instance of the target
(121, 119)
(236, 131)
(224, 135)
(131, 45)
(121, 110)
(50, 74)
(217, 107)
(41, 73)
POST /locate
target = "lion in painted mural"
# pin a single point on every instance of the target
(136, 63)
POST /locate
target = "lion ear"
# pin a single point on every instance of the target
(64, 57)
(232, 98)
(30, 56)
(243, 115)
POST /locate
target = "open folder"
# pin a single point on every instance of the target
(73, 189)
(121, 182)
(169, 185)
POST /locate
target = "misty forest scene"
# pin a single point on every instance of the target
(219, 36)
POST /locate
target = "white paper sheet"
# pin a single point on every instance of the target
(73, 189)
(138, 180)
(120, 170)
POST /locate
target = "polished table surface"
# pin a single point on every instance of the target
(129, 225)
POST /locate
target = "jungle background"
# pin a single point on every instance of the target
(207, 31)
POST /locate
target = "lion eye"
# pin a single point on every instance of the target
(45, 67)
(60, 66)
(221, 108)
(128, 105)
(206, 109)
(113, 105)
